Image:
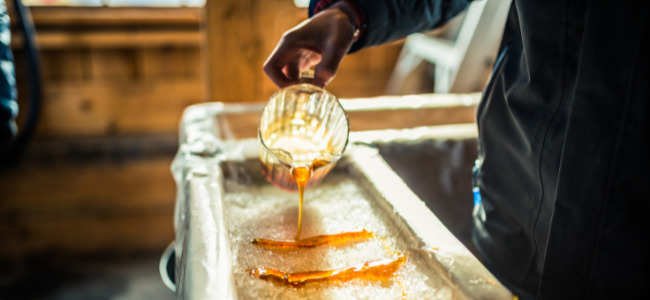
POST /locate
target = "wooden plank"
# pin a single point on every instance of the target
(58, 65)
(66, 189)
(65, 113)
(358, 83)
(92, 108)
(383, 57)
(379, 58)
(114, 149)
(235, 53)
(165, 62)
(93, 235)
(192, 63)
(115, 64)
(96, 16)
(154, 106)
(65, 39)
(84, 208)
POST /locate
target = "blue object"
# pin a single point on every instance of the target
(8, 105)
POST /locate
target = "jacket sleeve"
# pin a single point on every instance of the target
(390, 20)
(8, 105)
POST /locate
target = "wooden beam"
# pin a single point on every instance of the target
(65, 39)
(95, 16)
(234, 43)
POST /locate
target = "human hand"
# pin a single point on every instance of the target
(322, 41)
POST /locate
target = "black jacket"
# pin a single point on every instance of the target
(8, 105)
(564, 134)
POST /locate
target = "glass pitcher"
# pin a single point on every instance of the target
(302, 126)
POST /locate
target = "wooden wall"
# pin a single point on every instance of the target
(107, 72)
(96, 178)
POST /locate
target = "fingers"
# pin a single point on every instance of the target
(329, 64)
(278, 68)
(292, 71)
(322, 41)
(284, 66)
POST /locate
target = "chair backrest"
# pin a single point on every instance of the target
(476, 44)
(463, 54)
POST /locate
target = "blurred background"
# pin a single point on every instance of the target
(87, 196)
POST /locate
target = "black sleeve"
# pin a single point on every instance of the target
(390, 20)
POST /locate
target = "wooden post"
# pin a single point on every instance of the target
(233, 46)
(239, 36)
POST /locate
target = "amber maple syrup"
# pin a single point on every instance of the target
(376, 270)
(301, 175)
(316, 241)
(293, 161)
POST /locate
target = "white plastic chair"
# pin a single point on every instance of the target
(462, 63)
